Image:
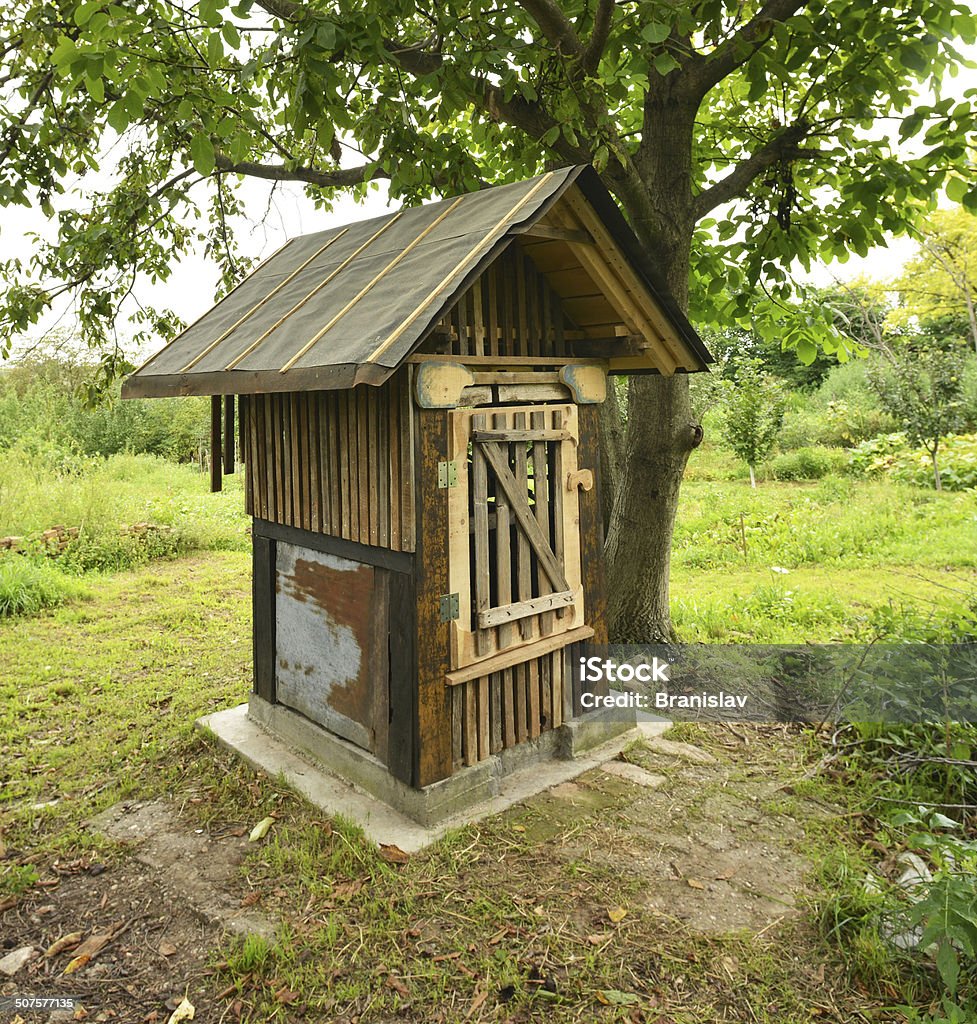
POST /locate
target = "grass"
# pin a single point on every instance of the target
(26, 588)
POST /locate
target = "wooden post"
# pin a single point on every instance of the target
(432, 747)
(215, 443)
(263, 611)
(228, 434)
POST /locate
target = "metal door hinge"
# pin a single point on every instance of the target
(447, 474)
(449, 607)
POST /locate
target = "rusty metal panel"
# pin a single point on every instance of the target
(326, 650)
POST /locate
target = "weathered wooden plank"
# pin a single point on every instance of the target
(381, 465)
(300, 416)
(534, 708)
(470, 690)
(457, 726)
(529, 533)
(350, 530)
(541, 504)
(372, 468)
(333, 439)
(484, 718)
(492, 319)
(408, 479)
(380, 624)
(433, 707)
(396, 561)
(521, 434)
(216, 432)
(522, 609)
(495, 712)
(394, 497)
(401, 735)
(485, 641)
(229, 432)
(546, 692)
(478, 319)
(508, 708)
(316, 459)
(503, 550)
(364, 456)
(263, 618)
(591, 527)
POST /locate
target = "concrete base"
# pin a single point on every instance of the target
(342, 779)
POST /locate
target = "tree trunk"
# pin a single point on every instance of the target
(937, 482)
(752, 478)
(660, 437)
(611, 451)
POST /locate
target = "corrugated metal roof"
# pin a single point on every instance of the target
(349, 304)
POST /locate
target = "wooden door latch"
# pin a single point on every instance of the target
(582, 478)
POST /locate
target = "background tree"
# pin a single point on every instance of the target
(740, 139)
(942, 279)
(920, 383)
(753, 412)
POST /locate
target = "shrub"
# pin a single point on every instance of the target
(27, 588)
(809, 464)
(891, 455)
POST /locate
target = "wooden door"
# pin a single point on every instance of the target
(514, 531)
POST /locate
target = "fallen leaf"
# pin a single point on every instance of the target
(726, 875)
(64, 943)
(617, 914)
(393, 854)
(397, 985)
(166, 948)
(347, 888)
(184, 1011)
(251, 898)
(77, 963)
(480, 997)
(694, 883)
(285, 995)
(596, 939)
(612, 997)
(518, 828)
(261, 829)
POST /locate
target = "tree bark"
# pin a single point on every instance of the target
(611, 451)
(660, 429)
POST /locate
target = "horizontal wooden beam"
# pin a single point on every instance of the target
(518, 655)
(521, 435)
(553, 233)
(523, 609)
(503, 361)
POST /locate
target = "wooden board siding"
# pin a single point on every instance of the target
(509, 311)
(500, 710)
(333, 462)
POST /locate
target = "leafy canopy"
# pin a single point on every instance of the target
(742, 139)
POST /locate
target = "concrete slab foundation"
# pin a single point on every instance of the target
(341, 779)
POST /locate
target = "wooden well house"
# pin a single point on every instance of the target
(417, 404)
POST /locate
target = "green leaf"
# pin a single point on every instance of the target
(948, 965)
(215, 50)
(551, 136)
(664, 63)
(202, 153)
(118, 116)
(96, 89)
(231, 35)
(84, 12)
(956, 189)
(655, 32)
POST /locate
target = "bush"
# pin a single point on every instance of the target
(27, 588)
(809, 464)
(891, 455)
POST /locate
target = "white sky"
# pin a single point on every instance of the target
(191, 287)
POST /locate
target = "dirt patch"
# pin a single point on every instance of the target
(713, 850)
(162, 913)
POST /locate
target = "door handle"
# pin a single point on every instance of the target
(582, 478)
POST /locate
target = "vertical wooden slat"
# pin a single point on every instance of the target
(541, 487)
(457, 726)
(545, 693)
(485, 638)
(520, 683)
(508, 708)
(546, 320)
(408, 462)
(373, 466)
(286, 512)
(533, 685)
(556, 674)
(507, 296)
(471, 722)
(381, 465)
(275, 426)
(263, 620)
(524, 581)
(484, 734)
(319, 511)
(363, 456)
(522, 321)
(495, 699)
(493, 310)
(402, 661)
(216, 431)
(228, 435)
(478, 328)
(335, 440)
(433, 750)
(300, 427)
(591, 526)
(346, 480)
(395, 500)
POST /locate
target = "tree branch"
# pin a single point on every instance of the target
(340, 177)
(556, 26)
(783, 144)
(594, 50)
(707, 70)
